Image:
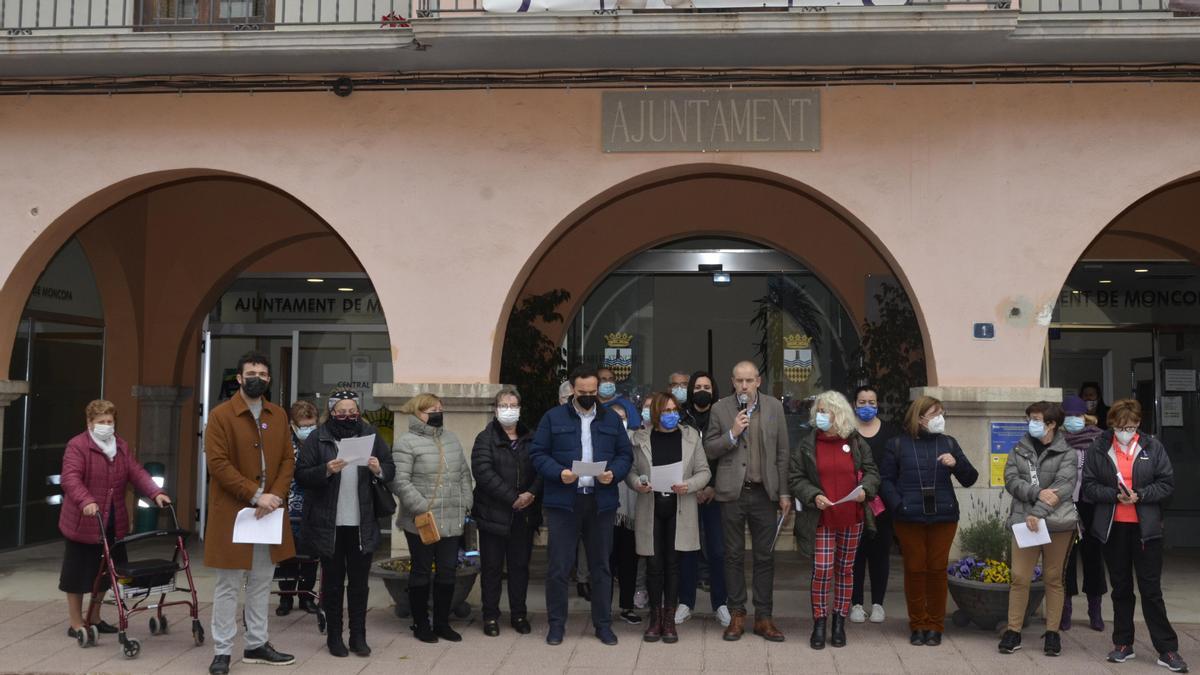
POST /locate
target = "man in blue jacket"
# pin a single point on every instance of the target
(580, 506)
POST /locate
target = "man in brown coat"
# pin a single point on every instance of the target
(250, 463)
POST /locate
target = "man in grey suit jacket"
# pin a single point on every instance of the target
(748, 436)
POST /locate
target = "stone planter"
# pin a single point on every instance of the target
(397, 586)
(986, 605)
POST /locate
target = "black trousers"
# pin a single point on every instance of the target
(662, 568)
(566, 527)
(1090, 550)
(444, 552)
(874, 551)
(495, 552)
(348, 567)
(624, 562)
(1127, 556)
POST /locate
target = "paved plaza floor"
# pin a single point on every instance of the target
(33, 637)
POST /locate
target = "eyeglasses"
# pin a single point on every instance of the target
(1128, 430)
(508, 407)
(346, 416)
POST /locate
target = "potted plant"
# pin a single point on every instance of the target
(395, 571)
(981, 578)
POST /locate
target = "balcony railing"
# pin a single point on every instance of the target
(28, 17)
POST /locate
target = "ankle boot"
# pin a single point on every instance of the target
(358, 644)
(418, 603)
(1065, 623)
(653, 631)
(669, 635)
(443, 596)
(1095, 612)
(838, 638)
(817, 640)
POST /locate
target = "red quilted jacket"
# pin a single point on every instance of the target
(88, 476)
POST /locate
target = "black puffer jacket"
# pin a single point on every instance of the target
(318, 526)
(501, 474)
(1153, 481)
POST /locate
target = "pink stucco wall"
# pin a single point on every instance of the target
(449, 199)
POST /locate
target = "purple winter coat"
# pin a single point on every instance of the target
(88, 476)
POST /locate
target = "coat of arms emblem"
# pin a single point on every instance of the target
(618, 355)
(797, 357)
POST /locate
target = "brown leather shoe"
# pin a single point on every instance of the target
(737, 625)
(766, 629)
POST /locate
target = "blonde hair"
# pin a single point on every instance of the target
(100, 407)
(418, 403)
(841, 415)
(912, 419)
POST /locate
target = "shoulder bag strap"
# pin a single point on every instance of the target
(437, 486)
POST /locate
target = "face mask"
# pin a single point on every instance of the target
(608, 389)
(303, 432)
(823, 421)
(937, 425)
(1125, 437)
(669, 420)
(1073, 424)
(645, 414)
(702, 398)
(435, 420)
(1091, 406)
(586, 402)
(508, 416)
(103, 431)
(347, 427)
(866, 413)
(1037, 428)
(255, 387)
(680, 394)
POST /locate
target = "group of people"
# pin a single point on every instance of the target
(585, 473)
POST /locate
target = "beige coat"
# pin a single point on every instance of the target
(695, 473)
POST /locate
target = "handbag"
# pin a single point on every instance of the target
(426, 524)
(382, 501)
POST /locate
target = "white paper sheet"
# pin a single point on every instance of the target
(581, 468)
(850, 497)
(266, 530)
(357, 450)
(1025, 538)
(663, 477)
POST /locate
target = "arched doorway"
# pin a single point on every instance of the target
(1128, 321)
(186, 273)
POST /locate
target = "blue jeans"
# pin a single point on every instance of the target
(713, 542)
(565, 529)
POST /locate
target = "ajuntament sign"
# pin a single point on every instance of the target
(721, 120)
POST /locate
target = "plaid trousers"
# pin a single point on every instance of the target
(833, 563)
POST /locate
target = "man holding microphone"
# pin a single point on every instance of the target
(747, 434)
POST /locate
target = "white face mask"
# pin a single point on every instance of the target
(937, 425)
(1124, 437)
(104, 432)
(508, 416)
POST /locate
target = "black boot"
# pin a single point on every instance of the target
(356, 608)
(817, 641)
(418, 603)
(285, 606)
(332, 604)
(443, 596)
(838, 639)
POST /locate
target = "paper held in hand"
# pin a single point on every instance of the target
(664, 476)
(266, 530)
(580, 468)
(1026, 538)
(850, 497)
(356, 451)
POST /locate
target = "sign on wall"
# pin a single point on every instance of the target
(1002, 439)
(711, 120)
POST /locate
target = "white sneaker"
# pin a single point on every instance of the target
(857, 615)
(641, 599)
(877, 615)
(682, 613)
(723, 617)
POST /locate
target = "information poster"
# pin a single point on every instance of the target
(1172, 411)
(1179, 380)
(1004, 435)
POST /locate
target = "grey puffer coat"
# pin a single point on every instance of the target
(418, 455)
(1056, 469)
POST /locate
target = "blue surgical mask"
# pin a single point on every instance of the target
(680, 394)
(1037, 428)
(823, 421)
(645, 414)
(1074, 424)
(303, 432)
(608, 389)
(669, 420)
(866, 413)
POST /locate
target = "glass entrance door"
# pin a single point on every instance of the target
(1178, 422)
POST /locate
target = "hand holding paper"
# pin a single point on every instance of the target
(853, 496)
(250, 529)
(356, 451)
(581, 468)
(1026, 538)
(665, 476)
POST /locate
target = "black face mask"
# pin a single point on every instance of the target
(586, 402)
(255, 387)
(343, 428)
(702, 398)
(435, 420)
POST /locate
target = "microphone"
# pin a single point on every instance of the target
(743, 400)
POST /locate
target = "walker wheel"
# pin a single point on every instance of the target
(93, 636)
(153, 626)
(131, 648)
(197, 632)
(321, 621)
(81, 636)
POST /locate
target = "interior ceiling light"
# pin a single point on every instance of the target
(346, 289)
(314, 280)
(1141, 270)
(722, 278)
(1106, 281)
